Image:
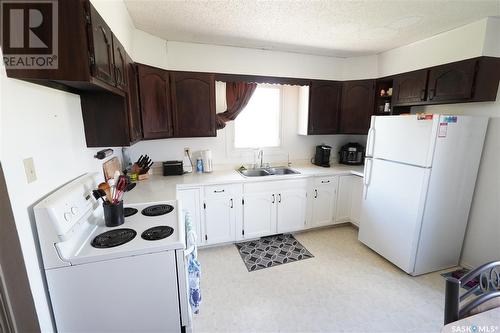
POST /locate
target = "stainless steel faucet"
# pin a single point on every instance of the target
(261, 156)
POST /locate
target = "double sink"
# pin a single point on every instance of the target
(262, 172)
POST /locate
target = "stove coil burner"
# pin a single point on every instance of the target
(129, 211)
(113, 238)
(157, 210)
(156, 233)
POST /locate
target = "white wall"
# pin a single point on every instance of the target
(458, 44)
(226, 59)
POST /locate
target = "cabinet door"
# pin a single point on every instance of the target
(134, 109)
(219, 220)
(356, 199)
(291, 212)
(452, 82)
(324, 201)
(357, 106)
(101, 49)
(259, 214)
(324, 105)
(193, 104)
(190, 201)
(410, 88)
(120, 65)
(155, 102)
(344, 199)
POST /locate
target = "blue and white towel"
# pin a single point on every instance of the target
(194, 269)
(194, 283)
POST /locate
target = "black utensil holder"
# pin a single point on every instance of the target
(113, 214)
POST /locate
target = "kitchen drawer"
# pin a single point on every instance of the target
(275, 186)
(226, 190)
(324, 181)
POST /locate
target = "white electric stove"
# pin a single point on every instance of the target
(101, 279)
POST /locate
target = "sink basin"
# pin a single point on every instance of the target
(261, 172)
(283, 171)
(254, 173)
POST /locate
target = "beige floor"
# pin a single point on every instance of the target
(346, 287)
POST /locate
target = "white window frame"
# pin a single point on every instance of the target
(247, 154)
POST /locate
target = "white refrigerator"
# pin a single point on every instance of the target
(419, 178)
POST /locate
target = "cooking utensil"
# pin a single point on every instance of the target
(107, 190)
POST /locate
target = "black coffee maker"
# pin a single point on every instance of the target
(322, 157)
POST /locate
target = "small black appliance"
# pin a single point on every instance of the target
(322, 157)
(352, 154)
(173, 168)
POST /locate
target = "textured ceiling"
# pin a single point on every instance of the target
(337, 28)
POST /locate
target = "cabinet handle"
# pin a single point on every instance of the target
(231, 203)
(432, 92)
(422, 95)
(325, 181)
(218, 191)
(279, 198)
(105, 35)
(273, 199)
(315, 194)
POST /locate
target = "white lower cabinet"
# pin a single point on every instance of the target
(323, 201)
(228, 213)
(191, 202)
(349, 199)
(222, 208)
(356, 199)
(259, 214)
(274, 207)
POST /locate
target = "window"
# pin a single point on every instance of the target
(259, 124)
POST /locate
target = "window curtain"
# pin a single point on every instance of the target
(237, 96)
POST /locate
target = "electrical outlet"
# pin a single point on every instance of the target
(29, 169)
(187, 150)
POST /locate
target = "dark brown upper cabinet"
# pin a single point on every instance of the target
(134, 108)
(85, 57)
(121, 61)
(193, 104)
(101, 49)
(410, 88)
(156, 112)
(452, 81)
(324, 106)
(357, 106)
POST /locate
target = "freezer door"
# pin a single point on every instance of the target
(407, 139)
(392, 209)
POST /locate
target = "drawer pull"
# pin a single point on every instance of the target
(279, 198)
(218, 191)
(232, 203)
(325, 181)
(274, 199)
(315, 194)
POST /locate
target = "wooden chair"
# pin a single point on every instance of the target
(460, 306)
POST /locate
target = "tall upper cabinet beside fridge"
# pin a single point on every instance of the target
(420, 174)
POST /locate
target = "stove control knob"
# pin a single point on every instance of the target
(67, 216)
(74, 210)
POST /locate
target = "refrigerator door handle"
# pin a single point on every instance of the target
(367, 175)
(370, 142)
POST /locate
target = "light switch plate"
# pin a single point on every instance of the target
(29, 169)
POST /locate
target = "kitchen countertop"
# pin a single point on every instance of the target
(161, 188)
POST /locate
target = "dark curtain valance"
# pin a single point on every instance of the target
(262, 79)
(237, 96)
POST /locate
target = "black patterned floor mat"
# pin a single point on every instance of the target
(272, 251)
